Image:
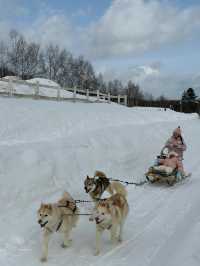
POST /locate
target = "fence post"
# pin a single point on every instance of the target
(37, 88)
(97, 95)
(74, 94)
(10, 87)
(109, 97)
(87, 94)
(125, 100)
(118, 98)
(58, 93)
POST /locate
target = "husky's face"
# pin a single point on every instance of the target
(89, 184)
(44, 214)
(102, 214)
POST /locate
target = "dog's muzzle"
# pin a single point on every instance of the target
(86, 190)
(42, 224)
(97, 220)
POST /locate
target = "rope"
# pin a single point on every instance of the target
(130, 183)
(83, 201)
(117, 180)
(72, 214)
(99, 199)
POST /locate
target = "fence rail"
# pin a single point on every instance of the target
(77, 94)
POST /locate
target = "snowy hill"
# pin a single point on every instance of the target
(46, 89)
(48, 147)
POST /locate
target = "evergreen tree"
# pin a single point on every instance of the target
(189, 95)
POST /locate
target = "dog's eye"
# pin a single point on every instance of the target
(46, 215)
(103, 213)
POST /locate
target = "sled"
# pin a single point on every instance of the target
(156, 176)
(153, 176)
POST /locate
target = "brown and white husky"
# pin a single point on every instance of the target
(110, 214)
(61, 217)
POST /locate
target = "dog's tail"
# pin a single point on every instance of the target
(118, 188)
(66, 195)
(99, 174)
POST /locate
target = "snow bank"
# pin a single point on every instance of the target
(43, 81)
(24, 89)
(13, 78)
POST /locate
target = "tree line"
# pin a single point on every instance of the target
(27, 59)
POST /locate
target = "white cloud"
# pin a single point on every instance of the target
(54, 28)
(132, 27)
(4, 29)
(45, 26)
(128, 27)
(154, 80)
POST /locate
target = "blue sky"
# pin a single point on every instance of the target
(148, 41)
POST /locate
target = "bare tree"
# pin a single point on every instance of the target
(3, 58)
(13, 56)
(134, 92)
(31, 60)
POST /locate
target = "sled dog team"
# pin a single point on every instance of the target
(109, 214)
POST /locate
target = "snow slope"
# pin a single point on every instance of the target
(48, 147)
(24, 89)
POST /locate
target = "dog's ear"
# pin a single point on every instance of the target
(88, 177)
(103, 204)
(49, 207)
(108, 205)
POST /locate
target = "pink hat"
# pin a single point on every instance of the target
(177, 131)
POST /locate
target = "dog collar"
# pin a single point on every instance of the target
(43, 225)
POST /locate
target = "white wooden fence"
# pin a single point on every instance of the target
(76, 94)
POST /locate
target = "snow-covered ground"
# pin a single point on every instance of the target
(48, 147)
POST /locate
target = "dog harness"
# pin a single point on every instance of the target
(67, 205)
(61, 221)
(101, 183)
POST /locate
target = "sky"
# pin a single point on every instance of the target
(154, 43)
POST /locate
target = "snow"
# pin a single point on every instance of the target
(43, 81)
(13, 78)
(24, 89)
(47, 147)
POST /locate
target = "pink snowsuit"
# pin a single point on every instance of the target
(172, 162)
(176, 143)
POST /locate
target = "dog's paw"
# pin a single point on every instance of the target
(120, 240)
(115, 241)
(67, 244)
(43, 259)
(97, 252)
